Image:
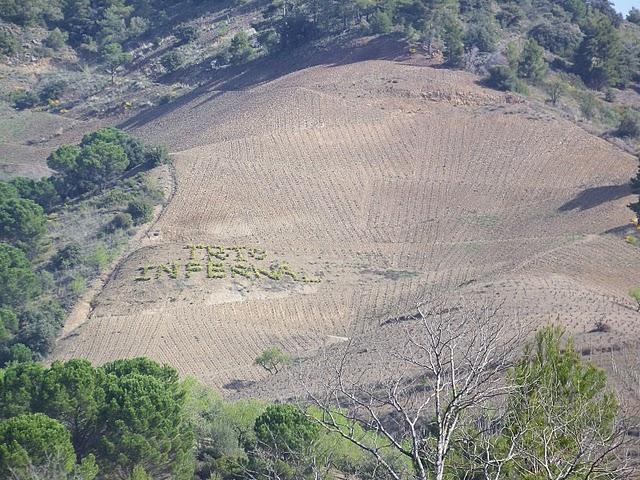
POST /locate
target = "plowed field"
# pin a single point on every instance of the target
(326, 201)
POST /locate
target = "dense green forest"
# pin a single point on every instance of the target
(585, 34)
(135, 419)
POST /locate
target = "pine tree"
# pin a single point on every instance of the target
(453, 37)
(531, 64)
(598, 59)
(562, 412)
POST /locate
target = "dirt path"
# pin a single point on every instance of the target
(83, 308)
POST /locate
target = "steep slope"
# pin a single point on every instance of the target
(377, 183)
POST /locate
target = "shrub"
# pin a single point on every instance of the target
(285, 428)
(99, 258)
(555, 90)
(601, 327)
(22, 223)
(100, 162)
(502, 77)
(56, 39)
(186, 33)
(482, 33)
(164, 99)
(121, 221)
(24, 99)
(42, 191)
(65, 159)
(559, 38)
(172, 60)
(140, 212)
(296, 31)
(19, 282)
(101, 157)
(8, 321)
(52, 90)
(532, 65)
(40, 326)
(8, 43)
(635, 294)
(133, 147)
(7, 191)
(138, 26)
(20, 353)
(68, 256)
(113, 57)
(598, 57)
(77, 284)
(629, 126)
(588, 105)
(453, 37)
(155, 156)
(610, 95)
(138, 473)
(270, 40)
(510, 16)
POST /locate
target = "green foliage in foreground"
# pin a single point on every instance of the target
(127, 414)
(134, 419)
(570, 402)
(34, 443)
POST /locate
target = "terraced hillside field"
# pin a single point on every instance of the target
(323, 202)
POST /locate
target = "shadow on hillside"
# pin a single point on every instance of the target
(267, 69)
(620, 231)
(593, 197)
(238, 385)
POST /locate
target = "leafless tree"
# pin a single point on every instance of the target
(439, 391)
(448, 361)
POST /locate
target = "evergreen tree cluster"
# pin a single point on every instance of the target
(586, 33)
(88, 24)
(75, 420)
(100, 158)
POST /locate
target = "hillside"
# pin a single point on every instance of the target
(383, 181)
(319, 239)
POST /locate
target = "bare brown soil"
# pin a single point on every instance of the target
(385, 180)
(28, 137)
